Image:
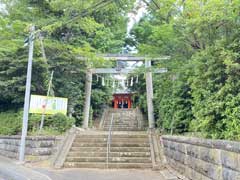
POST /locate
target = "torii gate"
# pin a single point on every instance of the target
(121, 57)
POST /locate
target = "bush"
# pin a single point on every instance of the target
(10, 123)
(47, 131)
(59, 122)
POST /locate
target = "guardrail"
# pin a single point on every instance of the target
(109, 141)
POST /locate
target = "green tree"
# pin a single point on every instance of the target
(200, 91)
(70, 29)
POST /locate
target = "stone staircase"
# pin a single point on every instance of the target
(130, 146)
(123, 120)
(128, 150)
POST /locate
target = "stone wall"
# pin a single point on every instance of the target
(203, 159)
(37, 148)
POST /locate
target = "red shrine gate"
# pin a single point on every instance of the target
(122, 100)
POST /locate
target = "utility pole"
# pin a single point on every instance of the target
(46, 101)
(27, 95)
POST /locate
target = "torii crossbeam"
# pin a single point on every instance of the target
(120, 57)
(122, 71)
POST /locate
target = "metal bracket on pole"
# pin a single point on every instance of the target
(27, 96)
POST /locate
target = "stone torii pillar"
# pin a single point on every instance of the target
(149, 91)
(88, 91)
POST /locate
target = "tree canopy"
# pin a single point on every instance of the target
(200, 93)
(69, 29)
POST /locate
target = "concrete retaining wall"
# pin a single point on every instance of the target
(203, 159)
(37, 148)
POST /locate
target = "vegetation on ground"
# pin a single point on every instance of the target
(11, 123)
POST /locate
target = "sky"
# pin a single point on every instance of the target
(2, 8)
(140, 9)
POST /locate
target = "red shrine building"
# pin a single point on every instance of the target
(122, 100)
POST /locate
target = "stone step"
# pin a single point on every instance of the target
(111, 159)
(116, 130)
(122, 129)
(120, 116)
(110, 165)
(122, 119)
(115, 144)
(121, 112)
(101, 136)
(120, 126)
(93, 136)
(111, 154)
(113, 149)
(123, 124)
(119, 123)
(114, 140)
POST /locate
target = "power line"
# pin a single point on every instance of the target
(149, 5)
(86, 11)
(156, 4)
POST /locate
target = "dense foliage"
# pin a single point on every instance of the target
(70, 29)
(200, 93)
